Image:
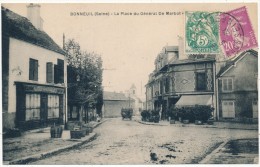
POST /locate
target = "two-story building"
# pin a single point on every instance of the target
(33, 70)
(237, 87)
(180, 81)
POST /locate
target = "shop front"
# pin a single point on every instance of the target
(39, 105)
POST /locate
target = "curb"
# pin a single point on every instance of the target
(36, 157)
(99, 123)
(149, 123)
(197, 126)
(177, 125)
(214, 152)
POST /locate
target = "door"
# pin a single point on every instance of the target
(44, 109)
(255, 108)
(228, 109)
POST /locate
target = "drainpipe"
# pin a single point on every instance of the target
(216, 94)
(217, 100)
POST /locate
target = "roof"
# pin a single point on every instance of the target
(115, 96)
(188, 61)
(231, 63)
(19, 27)
(191, 61)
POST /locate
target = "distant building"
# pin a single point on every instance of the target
(113, 103)
(237, 87)
(33, 70)
(138, 104)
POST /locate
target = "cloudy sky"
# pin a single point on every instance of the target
(128, 44)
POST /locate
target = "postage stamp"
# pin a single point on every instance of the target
(236, 32)
(202, 32)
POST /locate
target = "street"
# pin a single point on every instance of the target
(129, 142)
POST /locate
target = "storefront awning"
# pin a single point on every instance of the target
(189, 100)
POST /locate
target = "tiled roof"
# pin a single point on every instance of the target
(232, 62)
(19, 27)
(115, 96)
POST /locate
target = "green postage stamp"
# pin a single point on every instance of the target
(202, 32)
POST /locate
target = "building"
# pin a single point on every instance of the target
(229, 86)
(181, 82)
(33, 70)
(237, 87)
(113, 103)
(138, 104)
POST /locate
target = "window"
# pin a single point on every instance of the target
(53, 106)
(201, 81)
(255, 108)
(227, 84)
(228, 109)
(33, 104)
(49, 72)
(59, 72)
(74, 112)
(33, 70)
(161, 87)
(167, 85)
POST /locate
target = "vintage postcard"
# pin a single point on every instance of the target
(129, 83)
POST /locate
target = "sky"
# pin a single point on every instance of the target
(128, 44)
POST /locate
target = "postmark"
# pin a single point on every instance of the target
(202, 33)
(236, 32)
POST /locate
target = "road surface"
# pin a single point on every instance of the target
(129, 142)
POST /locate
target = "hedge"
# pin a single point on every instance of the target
(192, 113)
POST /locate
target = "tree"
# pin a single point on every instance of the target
(84, 75)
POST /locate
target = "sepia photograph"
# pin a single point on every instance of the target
(139, 83)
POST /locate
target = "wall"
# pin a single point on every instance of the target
(244, 86)
(19, 54)
(184, 77)
(243, 103)
(5, 71)
(244, 74)
(113, 108)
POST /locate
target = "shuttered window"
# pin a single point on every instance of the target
(59, 72)
(49, 72)
(33, 70)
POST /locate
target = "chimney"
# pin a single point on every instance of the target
(181, 48)
(34, 15)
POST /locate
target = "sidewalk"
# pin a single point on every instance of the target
(239, 151)
(220, 125)
(37, 144)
